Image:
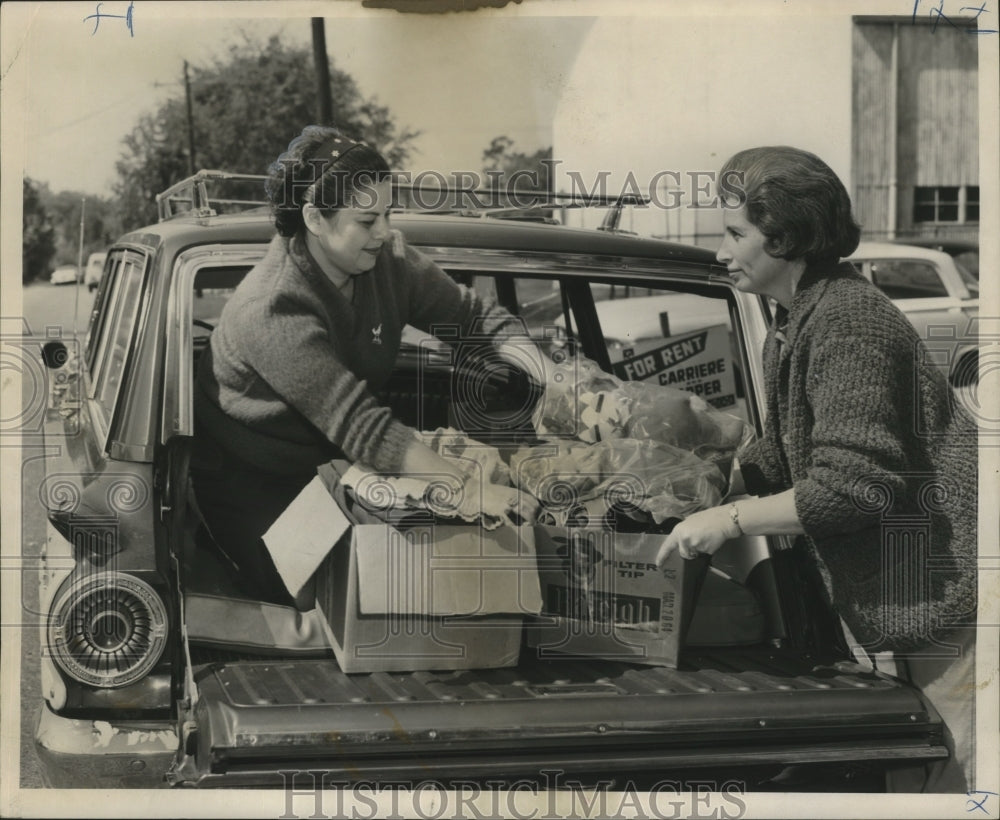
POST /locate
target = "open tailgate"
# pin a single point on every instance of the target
(254, 719)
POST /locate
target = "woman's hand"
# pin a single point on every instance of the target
(508, 503)
(473, 498)
(524, 354)
(706, 531)
(703, 532)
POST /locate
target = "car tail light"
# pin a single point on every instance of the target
(107, 629)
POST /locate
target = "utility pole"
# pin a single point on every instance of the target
(190, 120)
(324, 100)
(79, 265)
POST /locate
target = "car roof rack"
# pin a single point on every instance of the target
(515, 204)
(190, 196)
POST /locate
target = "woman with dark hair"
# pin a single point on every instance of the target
(865, 451)
(307, 339)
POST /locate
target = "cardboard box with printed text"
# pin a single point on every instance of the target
(603, 596)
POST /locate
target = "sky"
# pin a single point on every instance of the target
(460, 84)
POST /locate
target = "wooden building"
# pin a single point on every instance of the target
(890, 103)
(915, 111)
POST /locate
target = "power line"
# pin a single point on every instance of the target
(90, 115)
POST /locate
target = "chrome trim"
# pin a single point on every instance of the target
(102, 737)
(130, 452)
(140, 319)
(124, 259)
(937, 303)
(57, 564)
(517, 261)
(99, 421)
(107, 589)
(234, 772)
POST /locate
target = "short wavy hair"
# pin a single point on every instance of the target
(794, 199)
(299, 176)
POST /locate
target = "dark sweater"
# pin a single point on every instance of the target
(289, 380)
(883, 459)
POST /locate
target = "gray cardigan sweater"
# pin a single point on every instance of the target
(882, 458)
(289, 379)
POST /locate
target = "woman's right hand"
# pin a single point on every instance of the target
(508, 503)
(469, 497)
(477, 498)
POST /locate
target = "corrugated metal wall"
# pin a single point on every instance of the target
(936, 117)
(872, 133)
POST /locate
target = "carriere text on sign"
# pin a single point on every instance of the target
(696, 362)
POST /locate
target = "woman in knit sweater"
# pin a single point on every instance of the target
(865, 451)
(307, 339)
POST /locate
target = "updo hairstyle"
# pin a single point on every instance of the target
(321, 167)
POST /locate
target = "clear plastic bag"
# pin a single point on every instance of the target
(583, 401)
(652, 477)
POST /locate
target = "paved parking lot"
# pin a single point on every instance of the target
(46, 309)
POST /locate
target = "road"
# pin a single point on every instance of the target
(48, 311)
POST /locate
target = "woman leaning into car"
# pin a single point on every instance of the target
(307, 339)
(863, 436)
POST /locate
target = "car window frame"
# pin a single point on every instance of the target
(642, 274)
(711, 288)
(104, 410)
(97, 313)
(177, 400)
(177, 407)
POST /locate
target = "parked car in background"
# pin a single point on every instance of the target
(65, 275)
(155, 665)
(939, 296)
(965, 252)
(95, 267)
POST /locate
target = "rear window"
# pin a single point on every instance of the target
(907, 278)
(681, 337)
(113, 327)
(212, 288)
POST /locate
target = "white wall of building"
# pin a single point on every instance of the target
(675, 93)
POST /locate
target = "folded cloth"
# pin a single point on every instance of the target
(469, 455)
(443, 499)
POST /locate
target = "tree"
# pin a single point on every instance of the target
(38, 244)
(501, 156)
(101, 225)
(246, 108)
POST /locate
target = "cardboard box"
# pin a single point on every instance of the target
(428, 597)
(417, 594)
(414, 594)
(603, 596)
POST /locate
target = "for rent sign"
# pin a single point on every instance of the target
(698, 362)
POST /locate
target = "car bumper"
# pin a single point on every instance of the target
(81, 753)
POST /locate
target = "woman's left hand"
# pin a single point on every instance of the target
(524, 354)
(703, 532)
